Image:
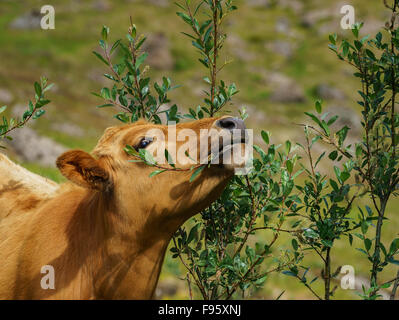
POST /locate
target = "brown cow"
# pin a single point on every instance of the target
(106, 233)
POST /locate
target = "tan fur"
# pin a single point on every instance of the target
(20, 189)
(106, 234)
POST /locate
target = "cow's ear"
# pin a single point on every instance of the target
(82, 169)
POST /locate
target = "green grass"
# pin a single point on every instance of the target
(50, 173)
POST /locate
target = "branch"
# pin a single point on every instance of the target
(197, 282)
(395, 286)
(253, 218)
(309, 287)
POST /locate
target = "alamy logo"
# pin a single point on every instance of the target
(348, 20)
(47, 281)
(348, 279)
(48, 20)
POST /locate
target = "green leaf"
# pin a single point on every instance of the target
(105, 32)
(313, 280)
(318, 106)
(294, 244)
(334, 185)
(38, 114)
(338, 173)
(145, 155)
(105, 105)
(287, 146)
(394, 246)
(42, 103)
(359, 150)
(289, 273)
(333, 155)
(193, 233)
(99, 56)
(185, 17)
(393, 261)
(115, 45)
(38, 89)
(364, 227)
(265, 136)
(105, 93)
(48, 87)
(342, 135)
(196, 173)
(350, 238)
(31, 107)
(355, 31)
(169, 158)
(363, 251)
(261, 280)
(332, 120)
(289, 165)
(2, 109)
(320, 158)
(333, 38)
(371, 54)
(156, 172)
(327, 243)
(345, 176)
(386, 285)
(315, 119)
(102, 44)
(367, 244)
(310, 233)
(141, 59)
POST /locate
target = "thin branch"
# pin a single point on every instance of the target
(189, 286)
(278, 229)
(198, 283)
(395, 286)
(252, 221)
(215, 53)
(310, 288)
(234, 288)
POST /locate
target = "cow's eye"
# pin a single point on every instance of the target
(144, 143)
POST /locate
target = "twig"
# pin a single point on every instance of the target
(234, 288)
(198, 283)
(189, 286)
(278, 229)
(215, 53)
(252, 221)
(327, 274)
(310, 288)
(395, 286)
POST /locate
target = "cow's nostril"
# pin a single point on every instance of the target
(227, 124)
(231, 123)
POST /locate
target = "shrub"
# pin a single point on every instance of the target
(34, 110)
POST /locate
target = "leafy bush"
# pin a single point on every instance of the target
(34, 110)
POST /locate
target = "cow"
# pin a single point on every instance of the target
(104, 233)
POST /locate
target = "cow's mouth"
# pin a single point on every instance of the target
(227, 147)
(216, 156)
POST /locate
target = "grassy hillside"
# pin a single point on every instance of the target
(271, 42)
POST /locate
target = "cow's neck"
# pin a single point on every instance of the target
(132, 253)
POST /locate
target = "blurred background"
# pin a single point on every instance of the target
(281, 65)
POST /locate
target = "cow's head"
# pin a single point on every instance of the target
(169, 198)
